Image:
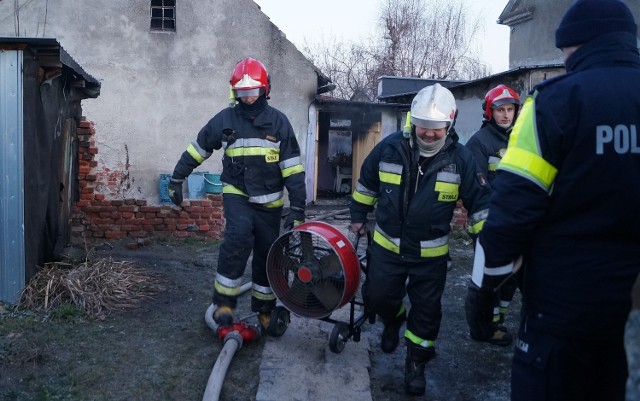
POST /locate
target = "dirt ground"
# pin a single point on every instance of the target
(163, 350)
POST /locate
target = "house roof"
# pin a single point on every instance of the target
(405, 98)
(397, 88)
(50, 53)
(344, 103)
(515, 12)
(510, 72)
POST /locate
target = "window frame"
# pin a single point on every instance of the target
(162, 14)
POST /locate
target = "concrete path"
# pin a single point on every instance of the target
(299, 366)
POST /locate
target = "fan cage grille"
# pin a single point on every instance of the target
(328, 288)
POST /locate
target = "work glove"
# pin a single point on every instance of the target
(359, 228)
(174, 189)
(295, 218)
(478, 307)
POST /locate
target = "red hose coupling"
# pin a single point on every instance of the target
(248, 333)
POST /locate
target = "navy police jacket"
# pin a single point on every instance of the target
(566, 197)
(414, 198)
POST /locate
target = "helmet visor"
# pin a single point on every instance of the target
(429, 124)
(249, 92)
(502, 102)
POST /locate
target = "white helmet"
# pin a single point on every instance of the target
(433, 107)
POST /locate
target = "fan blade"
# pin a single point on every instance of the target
(307, 245)
(327, 293)
(330, 265)
(297, 295)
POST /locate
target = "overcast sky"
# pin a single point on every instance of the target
(313, 20)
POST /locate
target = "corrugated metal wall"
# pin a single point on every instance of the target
(12, 257)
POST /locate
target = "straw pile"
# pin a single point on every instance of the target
(94, 287)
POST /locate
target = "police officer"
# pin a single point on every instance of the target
(261, 158)
(572, 164)
(488, 145)
(415, 178)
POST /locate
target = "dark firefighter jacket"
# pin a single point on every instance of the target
(488, 145)
(261, 156)
(412, 219)
(567, 195)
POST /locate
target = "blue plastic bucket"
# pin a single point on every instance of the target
(212, 183)
(195, 182)
(163, 183)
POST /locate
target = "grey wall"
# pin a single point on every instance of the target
(159, 89)
(532, 41)
(469, 96)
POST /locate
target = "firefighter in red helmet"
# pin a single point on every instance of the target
(499, 112)
(261, 158)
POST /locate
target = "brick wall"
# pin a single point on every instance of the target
(94, 217)
(459, 221)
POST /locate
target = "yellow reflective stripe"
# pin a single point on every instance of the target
(289, 171)
(193, 152)
(253, 151)
(476, 228)
(385, 242)
(434, 247)
(523, 153)
(493, 163)
(290, 162)
(262, 296)
(434, 252)
(424, 343)
(447, 187)
(390, 178)
(230, 189)
(364, 199)
(275, 203)
(530, 166)
(230, 291)
(447, 192)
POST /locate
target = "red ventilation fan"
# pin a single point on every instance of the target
(313, 269)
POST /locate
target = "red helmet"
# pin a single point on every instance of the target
(498, 96)
(250, 78)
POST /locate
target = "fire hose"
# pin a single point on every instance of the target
(233, 336)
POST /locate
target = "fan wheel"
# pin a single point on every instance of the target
(339, 337)
(313, 269)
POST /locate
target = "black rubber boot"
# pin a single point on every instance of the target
(417, 358)
(223, 315)
(391, 333)
(500, 337)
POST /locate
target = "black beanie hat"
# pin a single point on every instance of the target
(587, 19)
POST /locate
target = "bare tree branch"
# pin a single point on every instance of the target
(416, 38)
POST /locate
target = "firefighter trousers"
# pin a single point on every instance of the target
(386, 285)
(249, 228)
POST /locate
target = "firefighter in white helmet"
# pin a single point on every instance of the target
(261, 158)
(413, 179)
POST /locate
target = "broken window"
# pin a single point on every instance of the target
(163, 15)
